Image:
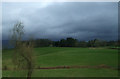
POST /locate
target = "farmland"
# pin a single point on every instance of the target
(95, 62)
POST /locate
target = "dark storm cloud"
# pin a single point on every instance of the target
(80, 20)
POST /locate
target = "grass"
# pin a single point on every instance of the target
(66, 73)
(60, 56)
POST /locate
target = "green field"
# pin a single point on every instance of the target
(65, 56)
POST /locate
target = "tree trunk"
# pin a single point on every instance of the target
(29, 75)
(29, 71)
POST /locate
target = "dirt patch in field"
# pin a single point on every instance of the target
(71, 67)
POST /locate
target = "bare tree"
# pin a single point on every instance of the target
(23, 55)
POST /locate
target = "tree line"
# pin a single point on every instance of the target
(71, 42)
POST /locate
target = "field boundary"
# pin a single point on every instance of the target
(71, 67)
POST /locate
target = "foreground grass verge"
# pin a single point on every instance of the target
(65, 73)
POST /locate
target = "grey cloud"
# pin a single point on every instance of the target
(80, 20)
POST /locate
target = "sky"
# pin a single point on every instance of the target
(58, 20)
